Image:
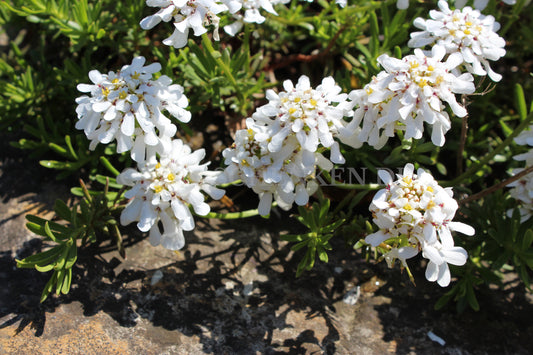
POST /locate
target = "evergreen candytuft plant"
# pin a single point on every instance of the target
(302, 88)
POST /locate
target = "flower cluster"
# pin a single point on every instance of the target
(127, 107)
(196, 14)
(522, 189)
(408, 93)
(465, 31)
(277, 154)
(251, 12)
(186, 14)
(414, 213)
(162, 190)
(480, 4)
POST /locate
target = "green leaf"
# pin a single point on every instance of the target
(62, 210)
(109, 166)
(49, 233)
(300, 245)
(65, 288)
(520, 101)
(292, 237)
(472, 300)
(527, 239)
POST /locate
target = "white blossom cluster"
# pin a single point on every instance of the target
(415, 214)
(197, 14)
(277, 155)
(186, 15)
(127, 107)
(162, 190)
(465, 31)
(522, 189)
(252, 14)
(478, 4)
(409, 92)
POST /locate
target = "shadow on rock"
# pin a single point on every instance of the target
(233, 289)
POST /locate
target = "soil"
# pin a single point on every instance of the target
(231, 290)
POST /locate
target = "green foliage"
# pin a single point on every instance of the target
(82, 223)
(502, 243)
(321, 226)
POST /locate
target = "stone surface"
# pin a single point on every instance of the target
(232, 290)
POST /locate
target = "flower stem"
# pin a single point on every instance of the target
(233, 183)
(480, 164)
(232, 215)
(496, 187)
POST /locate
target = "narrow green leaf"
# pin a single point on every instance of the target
(527, 239)
(65, 288)
(49, 233)
(520, 101)
(109, 166)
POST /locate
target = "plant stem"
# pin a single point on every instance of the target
(496, 187)
(225, 69)
(234, 215)
(462, 141)
(480, 164)
(233, 183)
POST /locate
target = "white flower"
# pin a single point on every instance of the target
(439, 258)
(127, 107)
(408, 93)
(162, 190)
(463, 31)
(415, 213)
(402, 4)
(480, 4)
(313, 116)
(522, 192)
(251, 10)
(186, 14)
(286, 176)
(522, 189)
(525, 138)
(276, 156)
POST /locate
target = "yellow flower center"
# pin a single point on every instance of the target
(170, 177)
(407, 207)
(135, 75)
(158, 189)
(292, 110)
(158, 165)
(122, 95)
(105, 91)
(114, 81)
